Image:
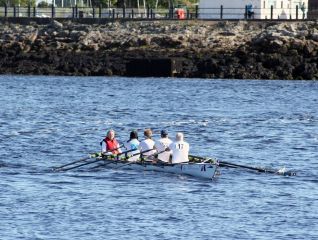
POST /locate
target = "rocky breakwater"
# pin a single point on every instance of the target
(239, 50)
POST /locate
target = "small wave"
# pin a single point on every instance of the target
(14, 165)
(60, 182)
(269, 141)
(252, 136)
(299, 148)
(3, 164)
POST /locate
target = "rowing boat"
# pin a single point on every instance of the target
(199, 170)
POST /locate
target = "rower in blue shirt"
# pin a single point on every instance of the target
(133, 144)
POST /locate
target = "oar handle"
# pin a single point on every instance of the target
(119, 154)
(128, 151)
(133, 156)
(154, 154)
(140, 153)
(131, 150)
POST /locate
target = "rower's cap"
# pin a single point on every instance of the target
(164, 133)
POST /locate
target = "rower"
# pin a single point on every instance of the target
(147, 143)
(132, 144)
(111, 144)
(161, 145)
(180, 149)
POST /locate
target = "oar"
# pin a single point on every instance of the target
(80, 165)
(93, 155)
(114, 156)
(201, 159)
(133, 156)
(84, 164)
(144, 159)
(264, 170)
(62, 168)
(128, 151)
(258, 169)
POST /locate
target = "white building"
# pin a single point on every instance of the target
(235, 9)
(67, 3)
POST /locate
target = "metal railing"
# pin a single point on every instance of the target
(148, 13)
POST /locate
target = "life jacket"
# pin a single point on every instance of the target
(111, 145)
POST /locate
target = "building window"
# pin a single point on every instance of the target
(264, 5)
(281, 4)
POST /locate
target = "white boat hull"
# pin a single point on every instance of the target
(199, 170)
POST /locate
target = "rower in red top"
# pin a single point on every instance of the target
(111, 144)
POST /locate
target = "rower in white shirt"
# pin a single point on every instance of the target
(147, 144)
(180, 149)
(161, 145)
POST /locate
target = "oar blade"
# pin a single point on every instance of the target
(285, 172)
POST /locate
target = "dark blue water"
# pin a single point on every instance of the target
(49, 121)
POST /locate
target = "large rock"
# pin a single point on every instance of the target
(56, 24)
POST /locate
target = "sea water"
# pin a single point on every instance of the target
(50, 121)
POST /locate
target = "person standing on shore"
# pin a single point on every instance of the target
(161, 145)
(250, 11)
(132, 146)
(147, 144)
(180, 149)
(111, 144)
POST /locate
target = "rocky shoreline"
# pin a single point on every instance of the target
(227, 50)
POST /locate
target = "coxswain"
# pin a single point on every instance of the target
(161, 145)
(180, 149)
(147, 144)
(111, 144)
(132, 147)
